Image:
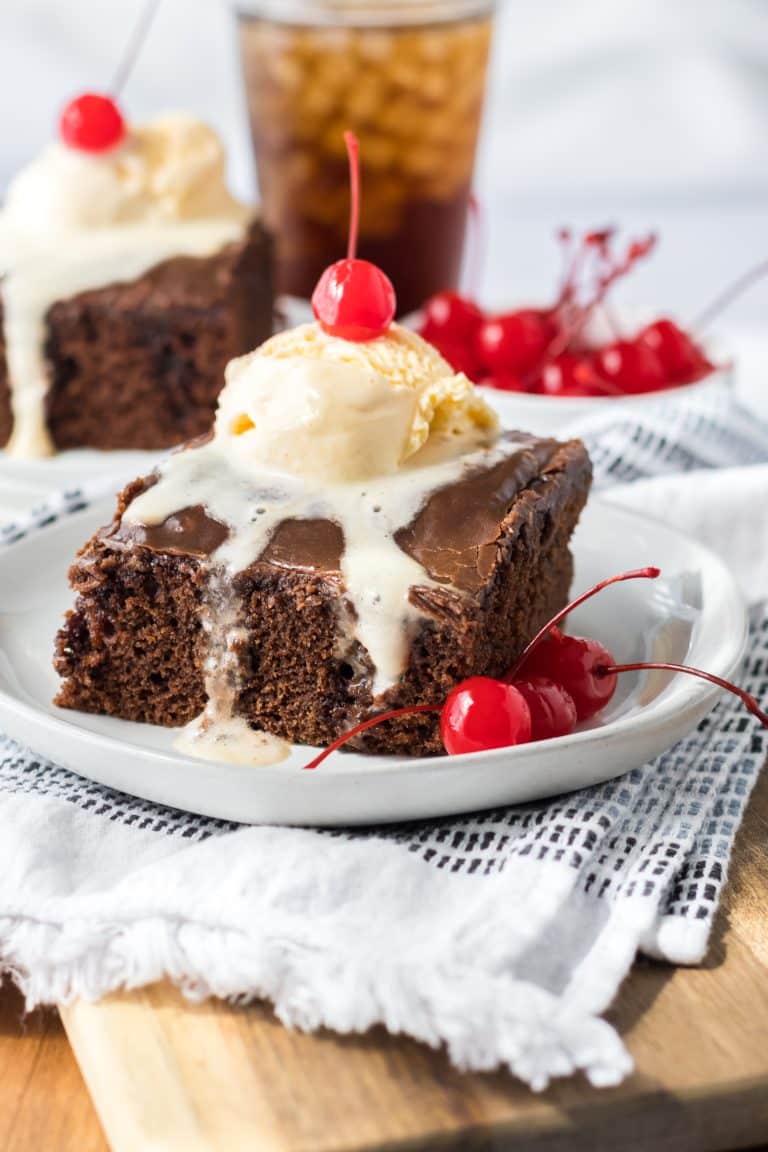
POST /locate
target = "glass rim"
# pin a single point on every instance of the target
(362, 13)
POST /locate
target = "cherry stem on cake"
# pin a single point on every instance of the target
(134, 46)
(354, 299)
(648, 573)
(370, 723)
(731, 293)
(93, 122)
(662, 666)
(353, 152)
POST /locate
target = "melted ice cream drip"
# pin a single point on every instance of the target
(218, 733)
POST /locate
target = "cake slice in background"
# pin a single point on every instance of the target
(357, 535)
(130, 277)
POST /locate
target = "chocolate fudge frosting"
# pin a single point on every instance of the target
(189, 532)
(453, 537)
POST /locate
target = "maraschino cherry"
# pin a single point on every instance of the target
(573, 663)
(92, 123)
(482, 713)
(572, 375)
(552, 351)
(682, 359)
(552, 708)
(515, 342)
(450, 317)
(570, 661)
(353, 299)
(633, 367)
(557, 681)
(461, 357)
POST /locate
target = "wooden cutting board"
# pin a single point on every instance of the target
(166, 1075)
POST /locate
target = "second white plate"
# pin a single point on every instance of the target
(24, 483)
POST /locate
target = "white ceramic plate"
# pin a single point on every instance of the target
(695, 613)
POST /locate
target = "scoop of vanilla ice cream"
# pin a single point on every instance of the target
(171, 169)
(314, 405)
(185, 168)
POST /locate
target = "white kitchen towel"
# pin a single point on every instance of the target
(502, 935)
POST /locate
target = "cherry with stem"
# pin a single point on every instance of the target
(610, 271)
(353, 299)
(648, 573)
(92, 122)
(577, 680)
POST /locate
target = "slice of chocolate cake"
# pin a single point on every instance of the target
(166, 337)
(493, 544)
(355, 536)
(130, 279)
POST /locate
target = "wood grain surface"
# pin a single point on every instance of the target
(166, 1075)
(44, 1105)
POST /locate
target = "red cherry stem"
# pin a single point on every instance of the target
(567, 277)
(749, 701)
(611, 270)
(574, 256)
(572, 315)
(371, 723)
(353, 151)
(649, 573)
(731, 293)
(133, 47)
(616, 269)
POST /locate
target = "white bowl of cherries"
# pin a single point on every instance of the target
(547, 367)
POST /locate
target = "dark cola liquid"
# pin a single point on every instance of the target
(414, 97)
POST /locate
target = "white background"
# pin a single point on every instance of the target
(646, 113)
